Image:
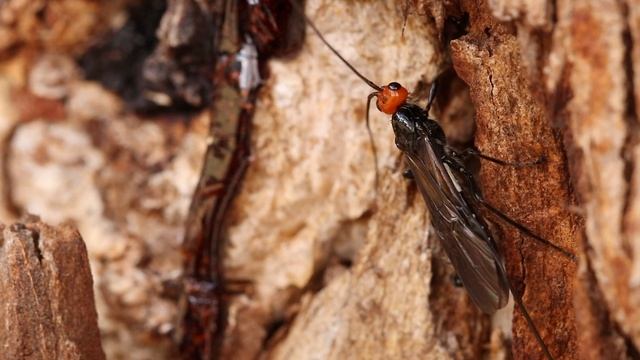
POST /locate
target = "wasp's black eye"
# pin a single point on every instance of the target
(394, 86)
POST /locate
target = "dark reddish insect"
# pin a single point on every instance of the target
(452, 197)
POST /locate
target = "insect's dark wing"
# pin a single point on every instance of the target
(464, 238)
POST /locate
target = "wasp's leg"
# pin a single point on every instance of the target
(455, 165)
(474, 152)
(432, 96)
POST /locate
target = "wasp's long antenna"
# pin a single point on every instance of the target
(432, 96)
(405, 15)
(364, 78)
(315, 30)
(373, 144)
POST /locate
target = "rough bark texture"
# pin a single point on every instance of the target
(46, 294)
(339, 268)
(602, 121)
(513, 124)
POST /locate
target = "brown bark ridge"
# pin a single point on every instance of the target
(512, 123)
(578, 61)
(601, 75)
(585, 57)
(46, 292)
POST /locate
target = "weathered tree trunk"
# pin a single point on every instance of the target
(339, 268)
(46, 293)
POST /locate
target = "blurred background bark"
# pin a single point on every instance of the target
(108, 109)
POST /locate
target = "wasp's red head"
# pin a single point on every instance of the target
(391, 97)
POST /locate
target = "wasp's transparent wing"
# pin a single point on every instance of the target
(464, 237)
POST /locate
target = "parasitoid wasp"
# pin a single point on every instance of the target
(451, 194)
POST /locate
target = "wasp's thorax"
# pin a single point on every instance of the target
(391, 97)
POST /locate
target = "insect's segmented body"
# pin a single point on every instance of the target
(464, 234)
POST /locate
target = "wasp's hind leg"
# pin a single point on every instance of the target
(432, 96)
(461, 172)
(474, 152)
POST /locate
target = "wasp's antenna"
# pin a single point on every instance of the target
(432, 96)
(405, 15)
(373, 144)
(315, 30)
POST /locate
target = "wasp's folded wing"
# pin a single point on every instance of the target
(463, 236)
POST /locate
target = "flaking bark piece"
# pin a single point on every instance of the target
(47, 309)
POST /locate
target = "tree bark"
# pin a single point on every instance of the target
(46, 290)
(339, 268)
